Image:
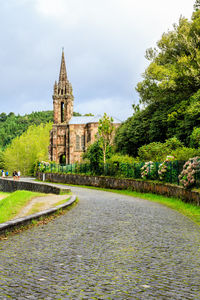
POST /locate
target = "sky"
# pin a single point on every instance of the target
(104, 43)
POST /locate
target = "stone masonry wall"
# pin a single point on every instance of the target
(7, 185)
(117, 183)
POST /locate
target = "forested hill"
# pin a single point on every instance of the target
(12, 125)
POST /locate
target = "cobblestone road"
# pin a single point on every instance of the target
(107, 247)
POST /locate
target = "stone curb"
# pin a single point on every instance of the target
(11, 225)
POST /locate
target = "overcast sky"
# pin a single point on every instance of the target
(104, 41)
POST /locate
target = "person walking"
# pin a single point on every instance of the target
(15, 175)
(18, 175)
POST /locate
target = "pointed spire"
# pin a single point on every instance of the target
(63, 72)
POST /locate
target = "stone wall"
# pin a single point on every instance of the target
(117, 183)
(10, 186)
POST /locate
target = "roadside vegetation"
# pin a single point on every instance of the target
(26, 151)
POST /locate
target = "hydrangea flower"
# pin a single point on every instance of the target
(148, 170)
(190, 168)
(163, 167)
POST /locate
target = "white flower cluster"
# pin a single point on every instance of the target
(148, 170)
(43, 165)
(163, 167)
(190, 168)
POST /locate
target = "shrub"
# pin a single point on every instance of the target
(195, 138)
(185, 153)
(124, 159)
(173, 143)
(164, 167)
(94, 155)
(190, 168)
(43, 165)
(148, 171)
(152, 152)
(157, 151)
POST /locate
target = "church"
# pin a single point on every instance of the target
(70, 135)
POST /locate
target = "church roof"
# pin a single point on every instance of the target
(90, 119)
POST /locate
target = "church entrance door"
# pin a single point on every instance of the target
(62, 159)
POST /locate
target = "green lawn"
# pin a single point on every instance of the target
(14, 202)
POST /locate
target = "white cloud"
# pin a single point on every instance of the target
(105, 43)
(51, 7)
(112, 106)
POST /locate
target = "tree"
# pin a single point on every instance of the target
(169, 92)
(197, 5)
(25, 151)
(88, 115)
(94, 154)
(195, 138)
(173, 73)
(105, 134)
(12, 125)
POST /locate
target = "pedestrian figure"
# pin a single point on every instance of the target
(15, 175)
(6, 173)
(2, 171)
(18, 175)
(3, 174)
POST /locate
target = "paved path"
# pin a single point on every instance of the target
(109, 246)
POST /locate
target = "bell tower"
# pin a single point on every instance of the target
(63, 96)
(63, 101)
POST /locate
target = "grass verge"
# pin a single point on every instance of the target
(12, 204)
(42, 221)
(189, 210)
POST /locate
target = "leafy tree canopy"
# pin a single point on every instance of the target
(26, 151)
(105, 134)
(12, 125)
(169, 92)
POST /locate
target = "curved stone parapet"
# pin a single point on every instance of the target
(11, 225)
(9, 185)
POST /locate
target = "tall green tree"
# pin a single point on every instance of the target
(105, 134)
(169, 92)
(28, 149)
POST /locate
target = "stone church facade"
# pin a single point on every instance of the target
(70, 136)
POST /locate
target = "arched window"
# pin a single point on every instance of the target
(77, 142)
(62, 112)
(89, 137)
(82, 142)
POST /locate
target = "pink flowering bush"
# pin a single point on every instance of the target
(148, 171)
(164, 167)
(190, 168)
